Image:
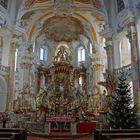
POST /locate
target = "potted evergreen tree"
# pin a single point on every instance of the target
(122, 113)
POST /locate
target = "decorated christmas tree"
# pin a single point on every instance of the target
(122, 113)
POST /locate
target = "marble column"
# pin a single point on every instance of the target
(109, 52)
(132, 35)
(6, 50)
(98, 71)
(26, 65)
(98, 64)
(117, 54)
(110, 80)
(14, 46)
(11, 61)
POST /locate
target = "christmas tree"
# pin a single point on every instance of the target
(122, 113)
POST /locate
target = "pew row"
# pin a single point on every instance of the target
(116, 134)
(12, 134)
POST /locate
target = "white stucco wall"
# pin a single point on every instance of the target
(3, 94)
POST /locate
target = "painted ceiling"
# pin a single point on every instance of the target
(95, 3)
(61, 20)
(62, 29)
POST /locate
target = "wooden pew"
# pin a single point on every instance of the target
(5, 138)
(122, 136)
(13, 136)
(106, 134)
(125, 139)
(13, 133)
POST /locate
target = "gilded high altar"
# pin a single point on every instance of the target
(59, 91)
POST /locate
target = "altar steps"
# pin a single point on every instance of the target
(62, 136)
(60, 131)
(70, 138)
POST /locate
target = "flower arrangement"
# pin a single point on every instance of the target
(4, 117)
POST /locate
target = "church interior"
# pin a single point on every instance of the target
(60, 61)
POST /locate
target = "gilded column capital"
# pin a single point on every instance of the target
(109, 41)
(132, 36)
(132, 32)
(26, 65)
(109, 50)
(14, 46)
(98, 67)
(109, 46)
(131, 26)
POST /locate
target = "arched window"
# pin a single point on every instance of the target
(120, 5)
(34, 47)
(90, 45)
(80, 80)
(16, 52)
(81, 54)
(42, 53)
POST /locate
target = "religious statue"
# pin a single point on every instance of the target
(96, 3)
(62, 55)
(16, 104)
(110, 82)
(103, 101)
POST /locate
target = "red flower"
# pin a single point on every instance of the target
(4, 116)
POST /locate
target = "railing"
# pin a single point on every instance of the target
(4, 69)
(125, 69)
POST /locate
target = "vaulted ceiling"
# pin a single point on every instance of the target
(61, 20)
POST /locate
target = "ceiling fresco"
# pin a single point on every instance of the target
(64, 18)
(95, 3)
(63, 29)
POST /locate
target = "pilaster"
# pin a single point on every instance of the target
(14, 46)
(25, 67)
(132, 35)
(6, 50)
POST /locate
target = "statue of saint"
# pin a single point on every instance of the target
(103, 100)
(62, 55)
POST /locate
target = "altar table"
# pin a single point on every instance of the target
(60, 122)
(60, 119)
(86, 127)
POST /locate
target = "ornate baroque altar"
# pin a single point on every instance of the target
(60, 93)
